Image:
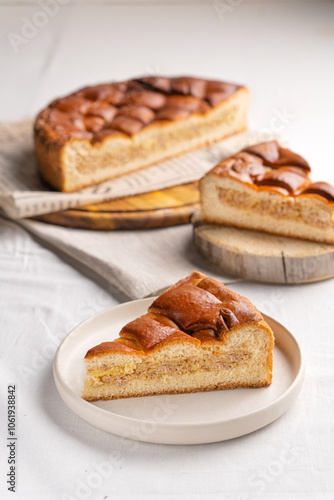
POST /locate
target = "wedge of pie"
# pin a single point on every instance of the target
(197, 336)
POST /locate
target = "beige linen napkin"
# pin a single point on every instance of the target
(23, 193)
(138, 263)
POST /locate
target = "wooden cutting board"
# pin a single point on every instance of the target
(168, 207)
(264, 257)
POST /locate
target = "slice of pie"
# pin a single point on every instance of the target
(268, 188)
(196, 336)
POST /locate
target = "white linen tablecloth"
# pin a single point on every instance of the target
(62, 457)
(284, 52)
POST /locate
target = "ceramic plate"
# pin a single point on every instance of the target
(202, 417)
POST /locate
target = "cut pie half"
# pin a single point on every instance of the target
(197, 336)
(108, 130)
(268, 188)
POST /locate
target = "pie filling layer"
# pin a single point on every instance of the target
(279, 207)
(121, 374)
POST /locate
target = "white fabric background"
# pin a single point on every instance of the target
(284, 52)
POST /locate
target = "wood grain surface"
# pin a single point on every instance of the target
(258, 256)
(168, 207)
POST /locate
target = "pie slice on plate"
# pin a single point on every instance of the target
(196, 336)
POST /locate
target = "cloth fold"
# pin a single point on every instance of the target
(138, 263)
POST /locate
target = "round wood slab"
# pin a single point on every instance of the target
(264, 257)
(168, 207)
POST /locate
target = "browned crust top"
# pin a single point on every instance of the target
(270, 167)
(126, 108)
(196, 309)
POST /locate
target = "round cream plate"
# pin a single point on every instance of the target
(202, 417)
